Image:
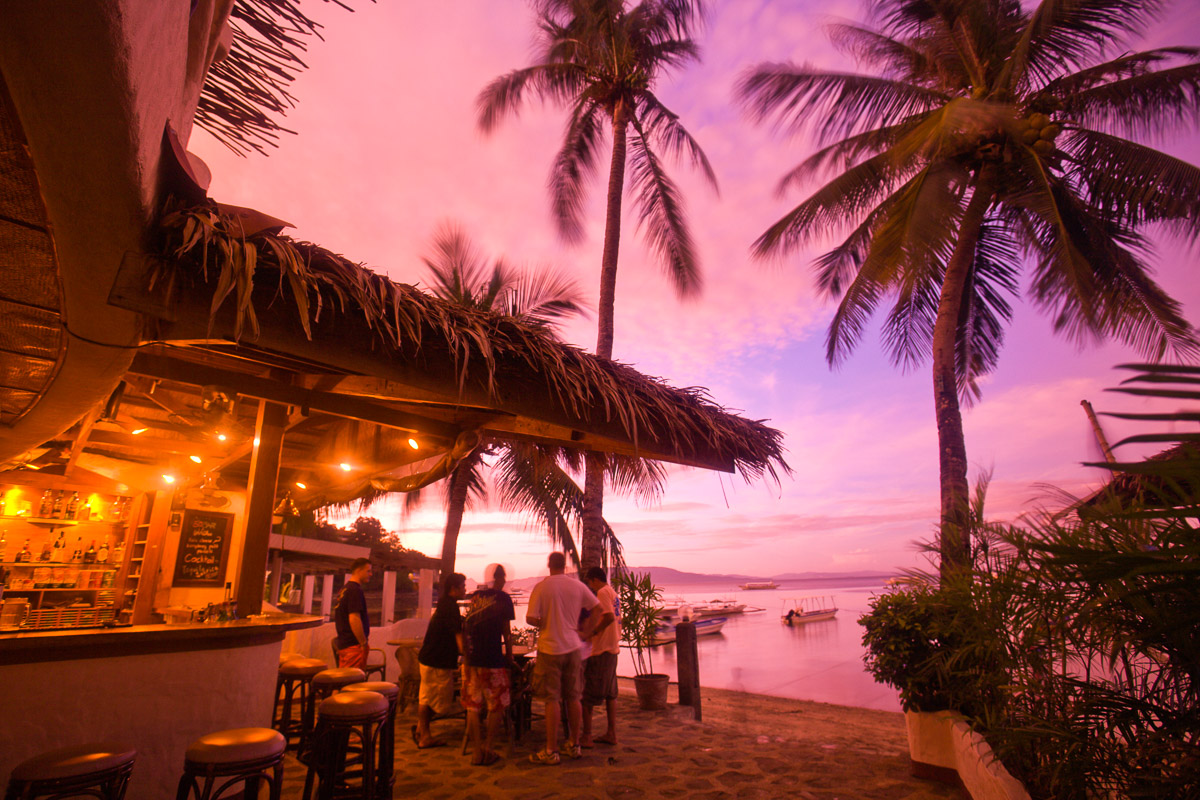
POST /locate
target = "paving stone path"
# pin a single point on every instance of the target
(746, 746)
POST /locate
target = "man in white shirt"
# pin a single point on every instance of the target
(556, 607)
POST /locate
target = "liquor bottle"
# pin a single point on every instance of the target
(118, 553)
(59, 555)
(46, 552)
(57, 509)
(77, 553)
(89, 555)
(47, 506)
(3, 548)
(24, 555)
(85, 511)
(102, 553)
(73, 505)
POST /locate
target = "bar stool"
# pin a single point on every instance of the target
(325, 683)
(295, 674)
(384, 778)
(99, 769)
(242, 756)
(359, 714)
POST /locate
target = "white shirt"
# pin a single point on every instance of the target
(559, 601)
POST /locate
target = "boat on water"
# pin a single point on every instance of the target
(748, 585)
(704, 627)
(671, 611)
(802, 610)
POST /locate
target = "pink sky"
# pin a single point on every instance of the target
(387, 149)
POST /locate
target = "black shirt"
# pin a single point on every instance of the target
(484, 627)
(350, 601)
(440, 648)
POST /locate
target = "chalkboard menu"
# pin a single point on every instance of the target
(203, 549)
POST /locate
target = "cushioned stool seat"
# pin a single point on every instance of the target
(239, 756)
(100, 769)
(358, 714)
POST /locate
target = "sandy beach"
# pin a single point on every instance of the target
(746, 746)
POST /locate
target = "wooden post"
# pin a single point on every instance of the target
(388, 613)
(276, 579)
(306, 600)
(688, 664)
(260, 502)
(327, 596)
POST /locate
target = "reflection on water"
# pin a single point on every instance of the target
(756, 652)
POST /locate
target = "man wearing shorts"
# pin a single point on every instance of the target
(350, 618)
(438, 659)
(600, 669)
(487, 654)
(556, 606)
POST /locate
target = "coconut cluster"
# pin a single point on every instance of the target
(1039, 132)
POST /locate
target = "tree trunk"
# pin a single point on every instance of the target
(456, 506)
(593, 487)
(955, 539)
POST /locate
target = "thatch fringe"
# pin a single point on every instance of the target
(245, 93)
(400, 317)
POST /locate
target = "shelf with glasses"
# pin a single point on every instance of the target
(90, 565)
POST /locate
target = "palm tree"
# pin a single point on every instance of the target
(992, 139)
(530, 477)
(601, 59)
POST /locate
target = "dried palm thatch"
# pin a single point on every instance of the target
(247, 91)
(202, 245)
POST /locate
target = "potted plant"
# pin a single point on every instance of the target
(638, 599)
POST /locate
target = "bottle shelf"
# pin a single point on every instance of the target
(54, 521)
(59, 589)
(89, 566)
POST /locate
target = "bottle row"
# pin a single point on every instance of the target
(64, 504)
(60, 578)
(59, 551)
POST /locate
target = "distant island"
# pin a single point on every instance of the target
(666, 576)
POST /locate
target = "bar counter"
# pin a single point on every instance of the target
(155, 687)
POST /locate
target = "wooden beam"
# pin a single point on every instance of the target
(260, 503)
(278, 392)
(81, 439)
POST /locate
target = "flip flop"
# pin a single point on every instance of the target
(604, 740)
(487, 760)
(434, 743)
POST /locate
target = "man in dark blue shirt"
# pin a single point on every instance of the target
(350, 617)
(438, 659)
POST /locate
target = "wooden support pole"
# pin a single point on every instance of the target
(425, 594)
(260, 502)
(306, 600)
(327, 596)
(688, 665)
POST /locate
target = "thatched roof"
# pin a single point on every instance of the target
(500, 358)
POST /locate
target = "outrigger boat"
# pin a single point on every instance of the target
(800, 610)
(704, 627)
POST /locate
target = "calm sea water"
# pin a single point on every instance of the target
(756, 652)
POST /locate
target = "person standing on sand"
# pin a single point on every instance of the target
(438, 659)
(555, 607)
(487, 654)
(350, 618)
(600, 669)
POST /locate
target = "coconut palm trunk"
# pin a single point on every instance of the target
(456, 506)
(593, 483)
(955, 539)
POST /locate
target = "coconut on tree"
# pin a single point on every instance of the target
(989, 143)
(601, 59)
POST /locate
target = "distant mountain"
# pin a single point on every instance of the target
(667, 575)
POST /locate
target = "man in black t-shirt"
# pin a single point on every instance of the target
(487, 636)
(438, 659)
(350, 617)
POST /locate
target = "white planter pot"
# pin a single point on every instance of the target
(943, 747)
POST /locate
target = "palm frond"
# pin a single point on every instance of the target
(574, 166)
(1149, 105)
(1075, 32)
(835, 105)
(663, 128)
(661, 215)
(504, 95)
